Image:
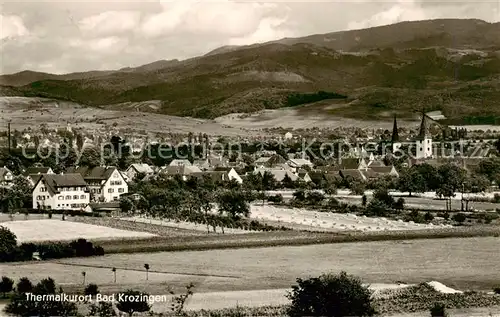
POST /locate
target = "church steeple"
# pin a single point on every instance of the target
(423, 133)
(395, 135)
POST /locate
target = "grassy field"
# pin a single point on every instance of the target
(52, 230)
(461, 263)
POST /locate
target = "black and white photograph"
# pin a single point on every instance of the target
(229, 158)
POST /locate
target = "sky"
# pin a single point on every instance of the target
(70, 36)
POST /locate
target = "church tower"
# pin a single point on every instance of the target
(396, 144)
(423, 141)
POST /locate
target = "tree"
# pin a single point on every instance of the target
(20, 305)
(357, 187)
(103, 309)
(452, 179)
(287, 182)
(376, 208)
(24, 286)
(330, 295)
(91, 290)
(8, 244)
(364, 200)
(299, 195)
(114, 274)
(233, 203)
(146, 267)
(459, 217)
(438, 310)
(132, 301)
(179, 301)
(382, 194)
(399, 204)
(84, 274)
(6, 285)
(411, 181)
(126, 204)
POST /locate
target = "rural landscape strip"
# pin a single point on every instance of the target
(272, 240)
(140, 270)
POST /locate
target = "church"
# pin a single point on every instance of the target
(422, 142)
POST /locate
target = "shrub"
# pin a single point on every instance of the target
(496, 290)
(428, 216)
(438, 310)
(459, 217)
(276, 199)
(6, 285)
(91, 289)
(330, 295)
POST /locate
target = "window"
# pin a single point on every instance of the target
(98, 191)
(75, 196)
(111, 190)
(115, 175)
(43, 189)
(121, 190)
(420, 149)
(68, 197)
(60, 197)
(82, 197)
(38, 198)
(115, 198)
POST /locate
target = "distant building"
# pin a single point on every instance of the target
(135, 169)
(423, 142)
(180, 163)
(60, 192)
(105, 183)
(33, 174)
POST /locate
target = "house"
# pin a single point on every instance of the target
(6, 176)
(183, 170)
(231, 172)
(353, 164)
(61, 192)
(381, 171)
(279, 174)
(105, 183)
(202, 164)
(354, 174)
(32, 174)
(299, 162)
(217, 161)
(270, 161)
(180, 163)
(135, 169)
(304, 175)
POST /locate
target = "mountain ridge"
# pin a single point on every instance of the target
(378, 71)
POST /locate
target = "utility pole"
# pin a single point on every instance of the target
(8, 135)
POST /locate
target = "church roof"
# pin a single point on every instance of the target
(423, 132)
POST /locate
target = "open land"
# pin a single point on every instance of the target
(57, 230)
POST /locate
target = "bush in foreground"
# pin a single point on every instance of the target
(330, 295)
(438, 310)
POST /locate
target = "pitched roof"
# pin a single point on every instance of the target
(142, 168)
(279, 175)
(181, 170)
(177, 162)
(354, 173)
(381, 169)
(376, 164)
(36, 170)
(54, 181)
(350, 163)
(96, 173)
(423, 132)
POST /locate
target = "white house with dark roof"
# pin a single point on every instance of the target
(61, 192)
(106, 184)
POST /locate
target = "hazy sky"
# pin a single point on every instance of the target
(68, 36)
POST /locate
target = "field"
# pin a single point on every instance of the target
(461, 263)
(332, 222)
(57, 230)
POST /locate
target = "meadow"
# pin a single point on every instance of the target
(461, 263)
(58, 230)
